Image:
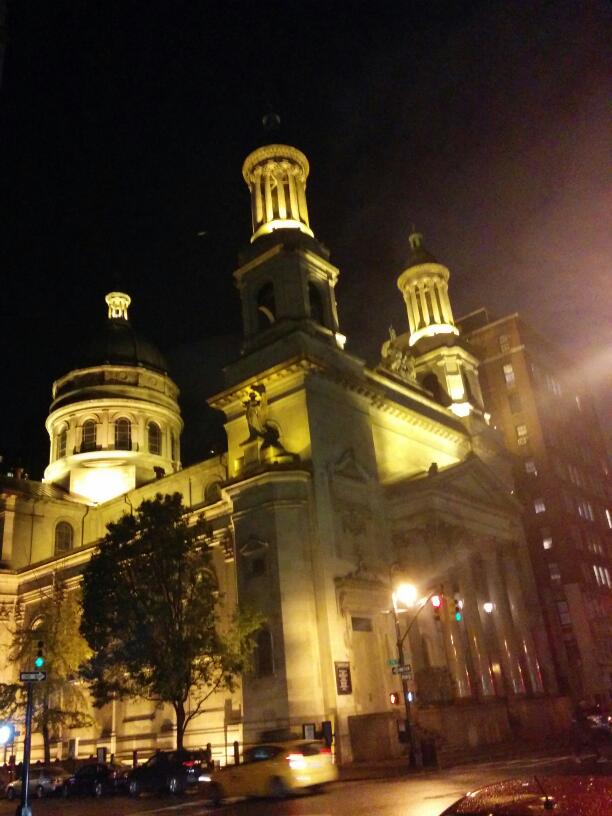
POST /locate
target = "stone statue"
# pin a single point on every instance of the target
(256, 405)
(396, 359)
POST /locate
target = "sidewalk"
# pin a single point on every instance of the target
(399, 766)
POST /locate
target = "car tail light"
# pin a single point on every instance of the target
(325, 750)
(189, 763)
(296, 761)
(113, 774)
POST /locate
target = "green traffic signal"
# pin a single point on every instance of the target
(39, 662)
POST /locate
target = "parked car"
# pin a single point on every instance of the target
(43, 781)
(171, 771)
(274, 769)
(560, 795)
(96, 779)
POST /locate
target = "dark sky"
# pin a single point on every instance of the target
(123, 127)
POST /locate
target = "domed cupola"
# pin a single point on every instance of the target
(114, 422)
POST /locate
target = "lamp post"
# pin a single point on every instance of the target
(406, 594)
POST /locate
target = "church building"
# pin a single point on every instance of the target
(339, 482)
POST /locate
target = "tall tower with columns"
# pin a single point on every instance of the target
(443, 363)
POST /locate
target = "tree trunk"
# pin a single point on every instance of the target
(46, 743)
(179, 707)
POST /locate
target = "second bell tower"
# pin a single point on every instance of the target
(285, 279)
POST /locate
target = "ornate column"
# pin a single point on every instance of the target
(502, 621)
(477, 642)
(455, 654)
(258, 199)
(280, 191)
(521, 620)
(424, 307)
(268, 195)
(293, 202)
(431, 286)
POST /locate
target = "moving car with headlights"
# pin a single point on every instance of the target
(96, 779)
(171, 771)
(274, 769)
(558, 795)
(42, 782)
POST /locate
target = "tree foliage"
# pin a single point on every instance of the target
(59, 701)
(151, 614)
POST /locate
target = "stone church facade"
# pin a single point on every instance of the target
(337, 481)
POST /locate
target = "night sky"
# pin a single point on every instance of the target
(124, 125)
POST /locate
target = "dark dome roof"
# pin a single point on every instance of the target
(418, 254)
(117, 343)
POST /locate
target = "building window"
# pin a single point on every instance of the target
(509, 377)
(539, 506)
(361, 624)
(609, 518)
(154, 434)
(531, 467)
(316, 303)
(504, 343)
(564, 614)
(521, 435)
(576, 537)
(514, 401)
(554, 572)
(123, 434)
(88, 436)
(569, 502)
(61, 443)
(578, 403)
(63, 538)
(264, 654)
(547, 541)
(173, 451)
(266, 306)
(212, 491)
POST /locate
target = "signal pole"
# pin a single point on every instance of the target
(23, 809)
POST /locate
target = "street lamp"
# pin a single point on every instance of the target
(404, 596)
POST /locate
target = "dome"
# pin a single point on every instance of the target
(118, 343)
(418, 254)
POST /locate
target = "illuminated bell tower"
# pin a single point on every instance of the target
(285, 279)
(443, 364)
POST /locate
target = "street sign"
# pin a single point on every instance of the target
(392, 661)
(405, 672)
(32, 676)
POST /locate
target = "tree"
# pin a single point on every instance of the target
(151, 614)
(59, 701)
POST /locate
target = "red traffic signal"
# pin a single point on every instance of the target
(436, 602)
(394, 698)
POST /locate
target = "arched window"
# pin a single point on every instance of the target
(212, 491)
(264, 656)
(317, 311)
(123, 434)
(61, 443)
(88, 435)
(63, 538)
(266, 306)
(154, 435)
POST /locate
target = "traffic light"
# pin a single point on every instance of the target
(436, 602)
(394, 698)
(39, 662)
(458, 609)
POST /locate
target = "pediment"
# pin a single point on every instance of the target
(348, 467)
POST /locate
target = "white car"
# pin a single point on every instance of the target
(44, 781)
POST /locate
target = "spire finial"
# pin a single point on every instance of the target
(415, 238)
(118, 303)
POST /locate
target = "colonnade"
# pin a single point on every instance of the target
(427, 303)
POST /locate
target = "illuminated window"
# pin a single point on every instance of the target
(539, 506)
(63, 538)
(154, 435)
(609, 518)
(547, 541)
(509, 377)
(266, 306)
(264, 654)
(88, 435)
(123, 434)
(61, 443)
(578, 403)
(521, 434)
(504, 343)
(531, 467)
(608, 578)
(554, 572)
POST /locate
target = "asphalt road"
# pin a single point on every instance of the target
(425, 794)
